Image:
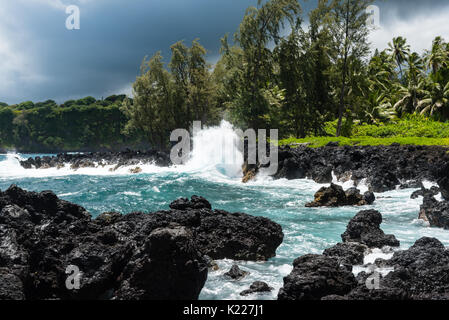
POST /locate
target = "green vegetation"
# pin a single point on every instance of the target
(314, 79)
(415, 130)
(317, 80)
(315, 142)
(85, 124)
(168, 99)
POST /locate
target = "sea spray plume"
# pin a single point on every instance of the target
(222, 148)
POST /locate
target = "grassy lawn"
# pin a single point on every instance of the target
(316, 142)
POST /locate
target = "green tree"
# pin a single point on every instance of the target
(260, 27)
(346, 22)
(152, 111)
(399, 50)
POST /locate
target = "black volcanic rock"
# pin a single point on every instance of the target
(423, 192)
(420, 273)
(435, 212)
(236, 273)
(314, 277)
(98, 159)
(383, 167)
(365, 228)
(257, 287)
(335, 196)
(135, 256)
(348, 254)
(441, 174)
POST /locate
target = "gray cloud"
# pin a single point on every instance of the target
(40, 59)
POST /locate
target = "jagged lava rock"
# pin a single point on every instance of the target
(365, 228)
(257, 287)
(347, 254)
(335, 196)
(236, 273)
(420, 273)
(435, 212)
(135, 256)
(383, 167)
(314, 277)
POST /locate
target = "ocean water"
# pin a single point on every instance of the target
(209, 173)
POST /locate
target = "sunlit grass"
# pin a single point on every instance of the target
(316, 142)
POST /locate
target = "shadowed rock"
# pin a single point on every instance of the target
(335, 196)
(135, 256)
(236, 273)
(364, 228)
(257, 287)
(314, 277)
(383, 167)
(435, 212)
(347, 254)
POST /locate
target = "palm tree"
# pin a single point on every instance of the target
(399, 50)
(377, 107)
(436, 98)
(409, 95)
(437, 57)
(409, 98)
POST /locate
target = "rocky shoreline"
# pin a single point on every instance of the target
(168, 254)
(138, 256)
(419, 273)
(98, 159)
(382, 167)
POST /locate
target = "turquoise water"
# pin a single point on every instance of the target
(306, 230)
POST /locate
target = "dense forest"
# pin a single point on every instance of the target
(84, 124)
(314, 78)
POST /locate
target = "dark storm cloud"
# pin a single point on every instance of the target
(42, 59)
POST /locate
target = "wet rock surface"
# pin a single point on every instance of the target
(236, 273)
(383, 167)
(257, 287)
(314, 277)
(419, 273)
(335, 196)
(435, 212)
(423, 192)
(347, 254)
(365, 228)
(99, 159)
(135, 256)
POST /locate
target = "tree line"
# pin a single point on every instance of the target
(296, 81)
(76, 125)
(277, 71)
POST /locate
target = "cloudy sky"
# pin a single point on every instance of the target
(40, 59)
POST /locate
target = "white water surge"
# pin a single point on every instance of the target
(215, 154)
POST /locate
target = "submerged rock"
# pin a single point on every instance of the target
(365, 228)
(257, 287)
(335, 196)
(135, 170)
(236, 273)
(135, 256)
